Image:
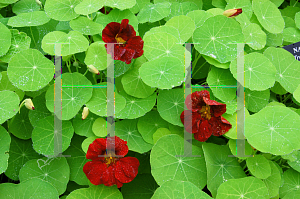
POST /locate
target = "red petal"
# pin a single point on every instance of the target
(119, 51)
(94, 171)
(126, 30)
(196, 120)
(98, 147)
(121, 146)
(136, 43)
(204, 131)
(197, 102)
(127, 56)
(217, 109)
(219, 125)
(127, 169)
(110, 31)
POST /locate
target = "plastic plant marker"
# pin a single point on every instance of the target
(248, 187)
(56, 171)
(167, 162)
(217, 38)
(9, 105)
(232, 145)
(179, 189)
(259, 71)
(5, 141)
(268, 16)
(288, 73)
(220, 167)
(32, 74)
(127, 130)
(43, 136)
(273, 130)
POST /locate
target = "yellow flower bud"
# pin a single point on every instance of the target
(231, 13)
(28, 104)
(85, 112)
(92, 69)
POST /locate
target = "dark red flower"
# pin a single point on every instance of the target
(206, 116)
(110, 170)
(129, 45)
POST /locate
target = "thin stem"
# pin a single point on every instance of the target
(85, 72)
(68, 65)
(287, 97)
(295, 3)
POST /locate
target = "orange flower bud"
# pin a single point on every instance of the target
(92, 69)
(28, 103)
(231, 13)
(85, 112)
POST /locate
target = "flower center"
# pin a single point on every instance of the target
(205, 112)
(120, 40)
(109, 161)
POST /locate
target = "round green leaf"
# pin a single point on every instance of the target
(168, 162)
(98, 102)
(40, 110)
(100, 127)
(5, 39)
(96, 55)
(29, 70)
(199, 17)
(9, 105)
(134, 85)
(33, 188)
(20, 152)
(4, 149)
(86, 143)
(5, 84)
(117, 16)
(217, 38)
(268, 15)
(76, 160)
(43, 136)
(185, 26)
(149, 123)
(20, 125)
(154, 12)
(218, 79)
(127, 130)
(259, 71)
(73, 98)
(273, 130)
(25, 6)
(288, 73)
(291, 180)
(56, 171)
(291, 34)
(120, 4)
(142, 186)
(292, 194)
(170, 104)
(160, 133)
(297, 20)
(86, 26)
(136, 107)
(216, 11)
(163, 29)
(179, 189)
(256, 100)
(19, 41)
(163, 73)
(214, 62)
(181, 9)
(35, 18)
(61, 10)
(139, 5)
(294, 163)
(73, 42)
(289, 22)
(84, 127)
(220, 166)
(248, 187)
(96, 192)
(259, 166)
(86, 7)
(254, 36)
(273, 181)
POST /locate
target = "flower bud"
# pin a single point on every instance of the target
(38, 2)
(92, 69)
(28, 103)
(85, 112)
(231, 13)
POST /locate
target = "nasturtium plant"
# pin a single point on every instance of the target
(148, 99)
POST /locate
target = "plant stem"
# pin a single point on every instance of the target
(287, 97)
(85, 72)
(68, 65)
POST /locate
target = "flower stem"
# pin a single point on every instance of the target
(85, 72)
(287, 97)
(68, 65)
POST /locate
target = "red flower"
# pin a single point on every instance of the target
(205, 116)
(129, 45)
(110, 170)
